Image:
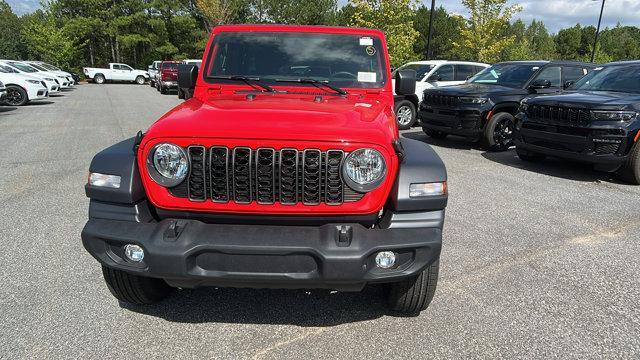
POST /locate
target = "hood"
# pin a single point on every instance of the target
(474, 90)
(17, 78)
(294, 117)
(603, 100)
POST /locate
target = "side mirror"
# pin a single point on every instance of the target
(540, 84)
(406, 82)
(568, 84)
(187, 76)
(434, 77)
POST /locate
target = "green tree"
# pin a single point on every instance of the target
(568, 42)
(484, 36)
(621, 42)
(10, 40)
(446, 28)
(49, 42)
(316, 12)
(395, 18)
(541, 42)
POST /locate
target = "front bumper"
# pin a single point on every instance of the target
(457, 121)
(267, 256)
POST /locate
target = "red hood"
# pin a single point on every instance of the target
(353, 118)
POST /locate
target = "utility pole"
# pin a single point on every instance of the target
(433, 5)
(595, 42)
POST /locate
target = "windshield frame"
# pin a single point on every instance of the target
(271, 80)
(523, 85)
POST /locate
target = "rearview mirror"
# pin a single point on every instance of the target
(540, 84)
(568, 83)
(187, 76)
(405, 82)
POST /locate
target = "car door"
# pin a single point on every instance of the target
(116, 72)
(127, 73)
(442, 76)
(553, 75)
(462, 73)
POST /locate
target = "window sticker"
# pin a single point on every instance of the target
(371, 50)
(366, 41)
(366, 77)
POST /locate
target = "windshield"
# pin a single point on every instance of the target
(511, 75)
(50, 67)
(343, 60)
(421, 69)
(23, 67)
(39, 67)
(8, 69)
(612, 78)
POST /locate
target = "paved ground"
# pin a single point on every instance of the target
(538, 261)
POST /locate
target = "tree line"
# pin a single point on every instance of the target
(77, 33)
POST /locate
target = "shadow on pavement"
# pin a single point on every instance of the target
(6, 109)
(560, 168)
(38, 103)
(450, 142)
(314, 308)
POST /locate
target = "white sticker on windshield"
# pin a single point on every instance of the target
(366, 41)
(598, 68)
(366, 77)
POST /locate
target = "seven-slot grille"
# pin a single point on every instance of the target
(564, 115)
(266, 176)
(440, 100)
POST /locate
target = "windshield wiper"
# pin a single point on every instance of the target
(315, 82)
(251, 81)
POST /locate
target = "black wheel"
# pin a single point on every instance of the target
(630, 171)
(152, 83)
(135, 289)
(140, 80)
(158, 86)
(16, 96)
(163, 90)
(99, 79)
(410, 296)
(434, 133)
(405, 114)
(529, 156)
(498, 134)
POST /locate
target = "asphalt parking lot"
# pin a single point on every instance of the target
(538, 261)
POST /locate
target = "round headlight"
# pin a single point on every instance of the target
(168, 164)
(364, 169)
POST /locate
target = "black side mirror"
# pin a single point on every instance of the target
(568, 83)
(187, 76)
(406, 82)
(540, 84)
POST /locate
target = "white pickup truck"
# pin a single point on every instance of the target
(116, 72)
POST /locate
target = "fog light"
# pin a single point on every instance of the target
(385, 259)
(103, 180)
(134, 252)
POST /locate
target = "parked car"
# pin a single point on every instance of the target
(167, 76)
(153, 72)
(185, 93)
(596, 121)
(62, 75)
(266, 179)
(20, 88)
(431, 74)
(3, 91)
(50, 80)
(483, 108)
(116, 72)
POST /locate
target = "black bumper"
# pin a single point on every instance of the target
(265, 256)
(463, 122)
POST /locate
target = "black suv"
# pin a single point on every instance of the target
(483, 108)
(595, 121)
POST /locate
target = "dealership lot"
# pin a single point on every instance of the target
(538, 260)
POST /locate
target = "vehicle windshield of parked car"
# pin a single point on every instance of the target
(23, 67)
(510, 75)
(50, 67)
(8, 69)
(39, 67)
(343, 60)
(421, 69)
(624, 79)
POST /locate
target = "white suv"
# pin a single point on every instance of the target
(430, 74)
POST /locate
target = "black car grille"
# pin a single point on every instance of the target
(560, 115)
(266, 176)
(440, 100)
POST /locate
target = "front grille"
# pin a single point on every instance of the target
(606, 148)
(557, 114)
(266, 176)
(440, 100)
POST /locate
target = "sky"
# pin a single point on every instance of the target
(556, 14)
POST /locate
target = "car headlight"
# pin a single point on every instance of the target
(613, 115)
(50, 79)
(364, 169)
(168, 164)
(62, 77)
(33, 82)
(472, 100)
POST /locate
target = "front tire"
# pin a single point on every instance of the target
(405, 114)
(99, 79)
(163, 90)
(152, 83)
(140, 80)
(135, 289)
(411, 296)
(630, 171)
(434, 133)
(16, 96)
(498, 134)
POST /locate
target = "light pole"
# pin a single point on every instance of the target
(433, 5)
(595, 42)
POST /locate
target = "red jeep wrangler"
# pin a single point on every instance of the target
(285, 170)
